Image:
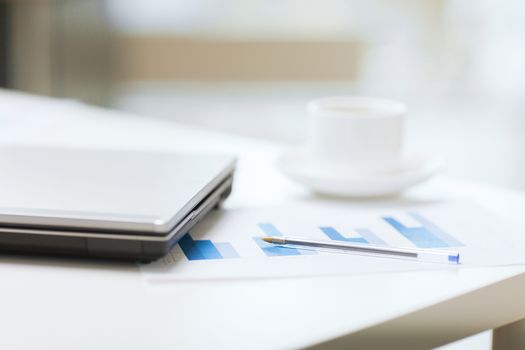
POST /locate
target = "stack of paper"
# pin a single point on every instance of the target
(227, 244)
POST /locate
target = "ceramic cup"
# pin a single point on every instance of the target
(356, 134)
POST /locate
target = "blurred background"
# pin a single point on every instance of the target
(248, 67)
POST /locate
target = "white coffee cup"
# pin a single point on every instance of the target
(359, 135)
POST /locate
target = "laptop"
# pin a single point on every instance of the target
(105, 203)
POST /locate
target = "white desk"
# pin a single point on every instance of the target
(69, 304)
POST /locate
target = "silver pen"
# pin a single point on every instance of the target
(429, 255)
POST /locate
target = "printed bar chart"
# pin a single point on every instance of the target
(425, 235)
(229, 245)
(206, 249)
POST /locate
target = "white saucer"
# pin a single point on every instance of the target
(410, 171)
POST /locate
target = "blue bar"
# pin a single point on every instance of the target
(270, 230)
(438, 232)
(333, 234)
(205, 249)
(420, 236)
(371, 237)
(208, 249)
(189, 248)
(227, 251)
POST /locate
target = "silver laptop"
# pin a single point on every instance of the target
(101, 203)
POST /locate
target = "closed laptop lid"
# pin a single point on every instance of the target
(148, 192)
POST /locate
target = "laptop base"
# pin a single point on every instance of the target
(109, 244)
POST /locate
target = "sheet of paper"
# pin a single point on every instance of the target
(227, 244)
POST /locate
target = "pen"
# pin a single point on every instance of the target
(430, 255)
